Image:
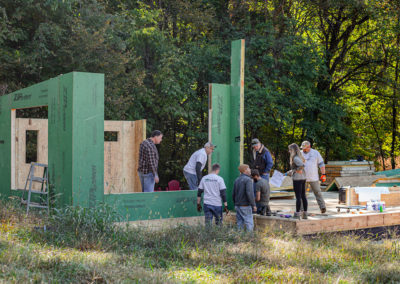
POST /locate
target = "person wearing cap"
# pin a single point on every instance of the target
(214, 190)
(195, 165)
(261, 158)
(243, 198)
(313, 162)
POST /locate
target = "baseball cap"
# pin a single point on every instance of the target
(210, 145)
(255, 141)
(304, 143)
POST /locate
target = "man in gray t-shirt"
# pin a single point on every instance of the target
(214, 190)
(262, 193)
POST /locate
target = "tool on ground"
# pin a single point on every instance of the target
(44, 190)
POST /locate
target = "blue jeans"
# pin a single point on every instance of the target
(211, 211)
(192, 180)
(147, 181)
(244, 217)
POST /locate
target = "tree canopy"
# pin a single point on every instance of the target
(326, 70)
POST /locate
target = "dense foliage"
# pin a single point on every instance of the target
(327, 71)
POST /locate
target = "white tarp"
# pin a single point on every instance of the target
(370, 193)
(277, 179)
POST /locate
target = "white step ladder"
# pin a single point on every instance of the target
(44, 191)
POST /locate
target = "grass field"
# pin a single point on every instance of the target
(82, 245)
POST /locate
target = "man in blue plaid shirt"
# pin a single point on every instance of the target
(148, 161)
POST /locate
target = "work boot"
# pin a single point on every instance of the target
(323, 210)
(305, 215)
(296, 215)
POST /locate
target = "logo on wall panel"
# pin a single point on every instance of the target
(21, 97)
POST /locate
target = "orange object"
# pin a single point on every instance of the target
(323, 178)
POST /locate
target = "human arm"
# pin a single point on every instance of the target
(153, 162)
(222, 193)
(250, 192)
(198, 172)
(299, 165)
(268, 162)
(258, 196)
(321, 166)
(200, 191)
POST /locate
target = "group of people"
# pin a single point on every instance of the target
(251, 190)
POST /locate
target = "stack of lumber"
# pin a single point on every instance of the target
(336, 169)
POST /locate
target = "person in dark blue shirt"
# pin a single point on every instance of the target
(261, 159)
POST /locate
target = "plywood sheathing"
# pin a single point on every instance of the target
(121, 157)
(21, 167)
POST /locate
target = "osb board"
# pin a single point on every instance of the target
(391, 200)
(121, 158)
(21, 167)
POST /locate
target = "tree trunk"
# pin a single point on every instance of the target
(394, 110)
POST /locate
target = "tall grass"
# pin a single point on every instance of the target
(84, 245)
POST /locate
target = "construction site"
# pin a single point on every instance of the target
(80, 159)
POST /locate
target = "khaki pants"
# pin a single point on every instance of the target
(314, 185)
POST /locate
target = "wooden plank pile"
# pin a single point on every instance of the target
(336, 169)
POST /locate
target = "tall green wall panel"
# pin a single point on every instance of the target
(226, 120)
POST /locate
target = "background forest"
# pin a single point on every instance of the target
(327, 71)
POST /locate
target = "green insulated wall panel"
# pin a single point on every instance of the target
(75, 107)
(156, 205)
(226, 119)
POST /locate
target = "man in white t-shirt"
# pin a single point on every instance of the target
(214, 190)
(195, 165)
(313, 162)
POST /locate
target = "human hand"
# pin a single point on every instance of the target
(157, 179)
(199, 207)
(254, 208)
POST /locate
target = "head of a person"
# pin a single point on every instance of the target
(306, 146)
(294, 150)
(215, 168)
(245, 169)
(255, 174)
(209, 147)
(255, 144)
(156, 136)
